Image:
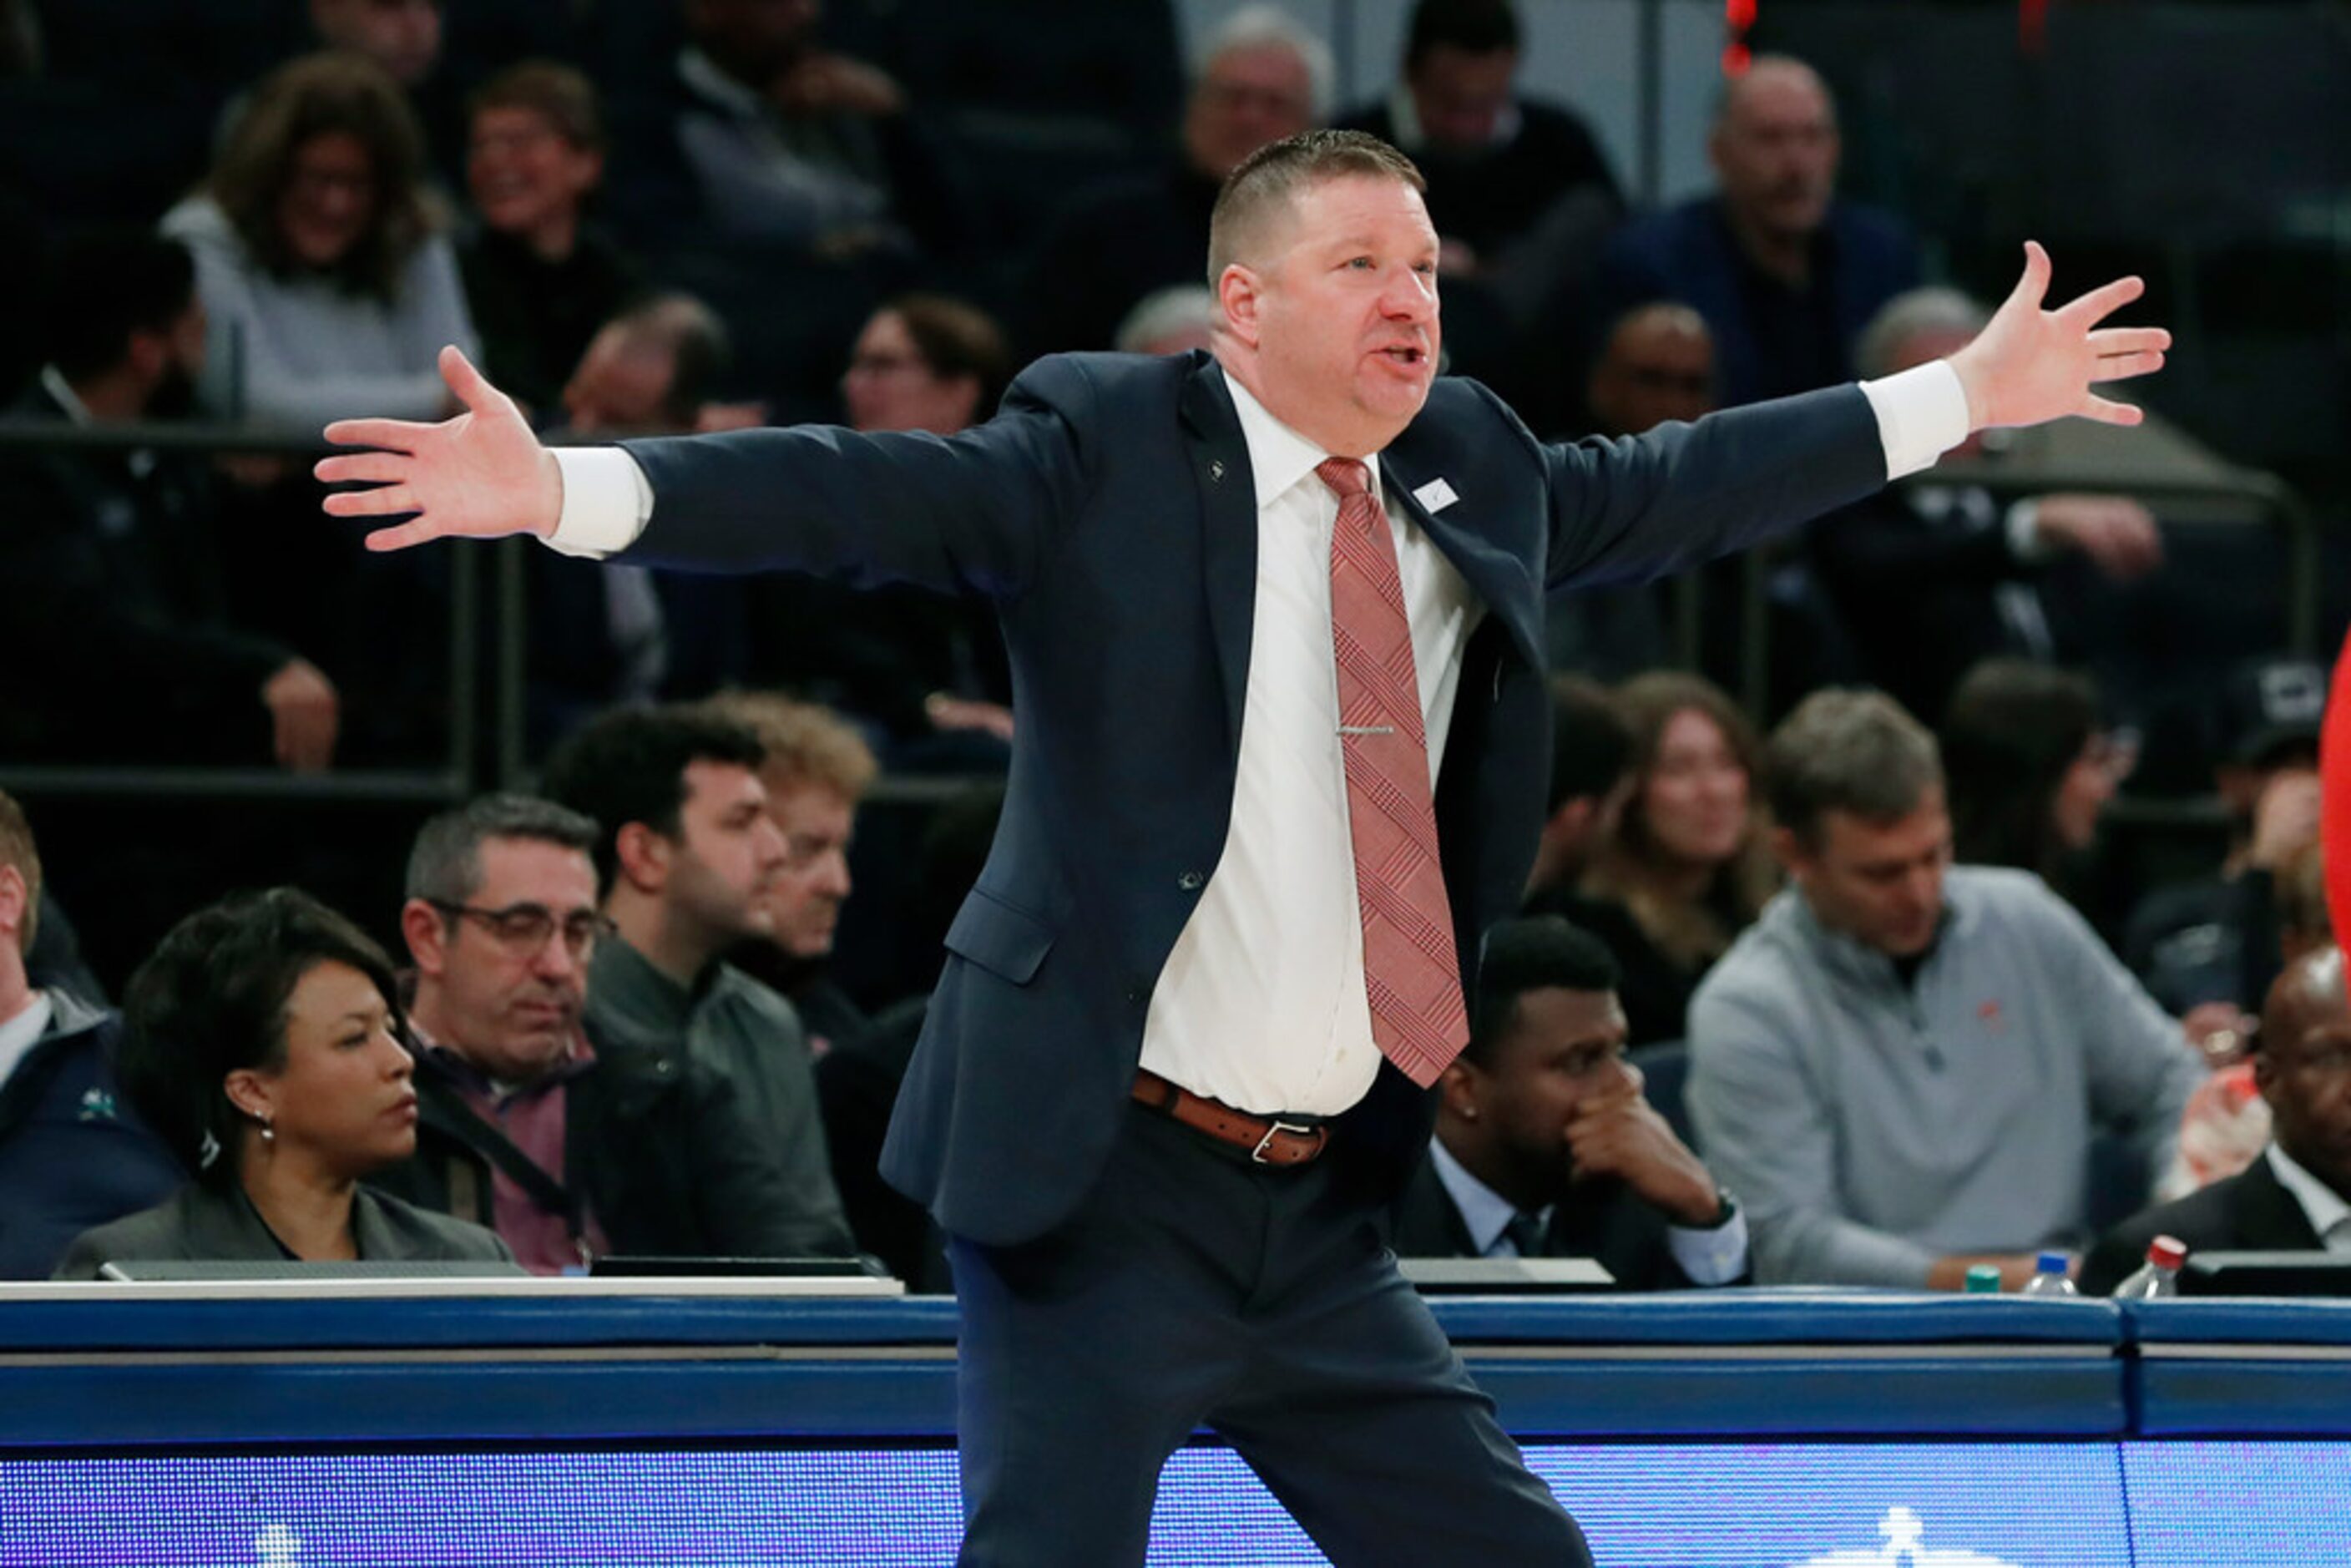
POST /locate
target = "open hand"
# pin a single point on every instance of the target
(2030, 365)
(481, 475)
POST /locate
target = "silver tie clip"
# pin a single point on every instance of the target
(1367, 729)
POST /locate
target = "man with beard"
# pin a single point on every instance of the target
(1544, 1146)
(525, 1127)
(688, 857)
(115, 631)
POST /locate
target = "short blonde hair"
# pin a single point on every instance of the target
(1272, 179)
(806, 743)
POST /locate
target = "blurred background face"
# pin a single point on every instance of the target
(330, 198)
(1775, 152)
(889, 386)
(728, 855)
(620, 384)
(403, 36)
(1459, 95)
(524, 174)
(510, 994)
(1879, 882)
(1659, 366)
(805, 900)
(1693, 801)
(1246, 97)
(342, 1098)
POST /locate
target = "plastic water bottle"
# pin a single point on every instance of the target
(2050, 1278)
(2161, 1275)
(1982, 1280)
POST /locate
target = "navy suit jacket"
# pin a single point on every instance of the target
(1687, 254)
(1109, 511)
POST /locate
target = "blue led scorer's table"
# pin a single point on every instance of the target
(553, 1422)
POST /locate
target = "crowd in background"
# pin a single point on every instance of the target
(1755, 1025)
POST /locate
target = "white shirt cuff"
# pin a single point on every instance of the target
(606, 502)
(1714, 1257)
(1922, 412)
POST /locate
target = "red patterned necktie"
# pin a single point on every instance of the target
(1409, 968)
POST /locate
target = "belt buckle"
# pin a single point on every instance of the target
(1266, 1143)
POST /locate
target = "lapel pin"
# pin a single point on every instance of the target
(1216, 470)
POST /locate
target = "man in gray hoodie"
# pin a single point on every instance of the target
(1901, 1066)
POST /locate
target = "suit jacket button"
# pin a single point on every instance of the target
(1190, 880)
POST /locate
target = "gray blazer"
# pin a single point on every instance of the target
(200, 1224)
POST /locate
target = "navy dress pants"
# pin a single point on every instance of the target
(1196, 1289)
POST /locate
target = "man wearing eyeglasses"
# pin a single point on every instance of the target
(523, 1128)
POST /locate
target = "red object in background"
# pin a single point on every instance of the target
(1737, 16)
(2334, 783)
(2031, 23)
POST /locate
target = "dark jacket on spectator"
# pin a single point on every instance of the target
(1862, 258)
(113, 637)
(1495, 196)
(2249, 1212)
(201, 1224)
(2213, 941)
(1110, 247)
(661, 1155)
(535, 317)
(72, 1154)
(1607, 1223)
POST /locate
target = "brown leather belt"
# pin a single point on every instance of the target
(1268, 1140)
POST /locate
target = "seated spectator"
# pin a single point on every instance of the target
(541, 279)
(611, 633)
(2215, 939)
(263, 1046)
(118, 633)
(1656, 364)
(525, 1129)
(1262, 77)
(1784, 273)
(687, 859)
(1686, 867)
(328, 286)
(1930, 578)
(1545, 1148)
(2296, 1197)
(1591, 779)
(815, 769)
(2031, 767)
(1899, 1068)
(1519, 190)
(917, 665)
(72, 1154)
(1174, 320)
(792, 144)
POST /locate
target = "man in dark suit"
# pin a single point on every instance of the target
(1544, 1146)
(1175, 1068)
(1785, 275)
(2296, 1197)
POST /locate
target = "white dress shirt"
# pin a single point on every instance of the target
(1261, 1004)
(2329, 1213)
(1714, 1257)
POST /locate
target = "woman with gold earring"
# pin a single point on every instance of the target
(263, 1046)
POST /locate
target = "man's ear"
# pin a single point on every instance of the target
(1789, 851)
(15, 904)
(1240, 292)
(643, 856)
(1457, 1089)
(427, 935)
